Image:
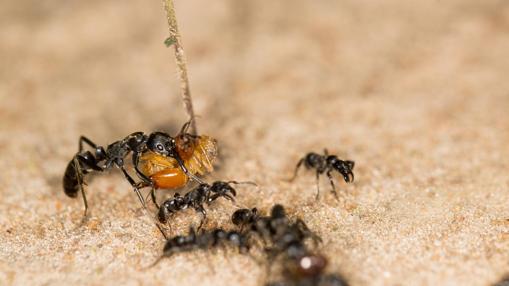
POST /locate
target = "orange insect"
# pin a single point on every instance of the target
(197, 153)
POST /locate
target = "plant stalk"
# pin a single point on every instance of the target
(180, 60)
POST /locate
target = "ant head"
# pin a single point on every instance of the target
(343, 167)
(243, 216)
(278, 211)
(166, 209)
(311, 265)
(163, 213)
(162, 144)
(221, 187)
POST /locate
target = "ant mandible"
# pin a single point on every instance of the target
(326, 164)
(137, 144)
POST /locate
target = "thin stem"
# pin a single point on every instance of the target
(174, 40)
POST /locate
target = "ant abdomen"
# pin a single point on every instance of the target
(71, 180)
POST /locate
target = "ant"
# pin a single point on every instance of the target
(245, 217)
(203, 193)
(277, 229)
(274, 226)
(205, 240)
(326, 164)
(138, 144)
(287, 238)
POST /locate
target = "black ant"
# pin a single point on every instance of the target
(103, 159)
(271, 225)
(245, 217)
(326, 164)
(205, 240)
(276, 229)
(203, 193)
(287, 238)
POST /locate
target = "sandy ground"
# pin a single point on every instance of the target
(415, 92)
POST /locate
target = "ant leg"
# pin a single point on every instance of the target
(326, 152)
(88, 141)
(136, 162)
(297, 167)
(332, 184)
(317, 184)
(307, 232)
(204, 214)
(164, 255)
(140, 197)
(79, 176)
(152, 192)
(134, 185)
(189, 174)
(153, 196)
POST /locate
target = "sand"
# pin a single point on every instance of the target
(416, 93)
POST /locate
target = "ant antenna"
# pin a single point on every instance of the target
(155, 262)
(243, 183)
(186, 126)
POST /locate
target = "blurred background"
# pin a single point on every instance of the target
(415, 92)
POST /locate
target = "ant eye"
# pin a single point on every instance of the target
(160, 147)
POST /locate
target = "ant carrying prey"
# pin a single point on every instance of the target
(196, 198)
(326, 164)
(184, 156)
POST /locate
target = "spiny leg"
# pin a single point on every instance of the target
(332, 184)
